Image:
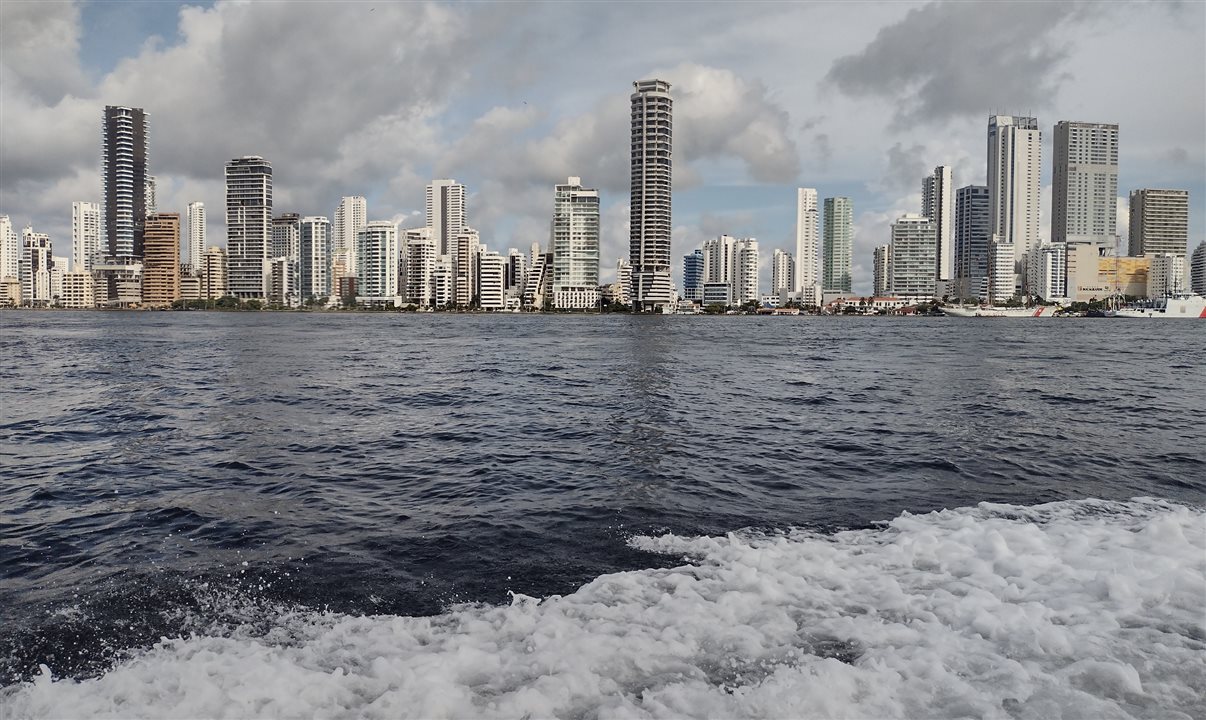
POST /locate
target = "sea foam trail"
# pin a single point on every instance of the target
(1085, 609)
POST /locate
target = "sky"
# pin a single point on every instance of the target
(858, 99)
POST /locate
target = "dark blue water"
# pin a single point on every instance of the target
(399, 464)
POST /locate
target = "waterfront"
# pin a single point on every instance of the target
(235, 475)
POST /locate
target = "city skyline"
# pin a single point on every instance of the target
(751, 134)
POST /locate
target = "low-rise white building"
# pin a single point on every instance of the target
(78, 291)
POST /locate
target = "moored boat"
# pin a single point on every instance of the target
(1184, 306)
(990, 311)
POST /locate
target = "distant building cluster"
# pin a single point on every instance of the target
(973, 242)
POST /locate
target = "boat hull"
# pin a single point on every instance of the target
(1000, 312)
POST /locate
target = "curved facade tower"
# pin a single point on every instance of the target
(649, 201)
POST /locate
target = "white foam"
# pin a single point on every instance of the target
(1077, 609)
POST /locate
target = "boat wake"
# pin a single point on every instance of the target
(1071, 609)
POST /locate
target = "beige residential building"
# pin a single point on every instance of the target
(214, 274)
(161, 260)
(79, 291)
(1159, 222)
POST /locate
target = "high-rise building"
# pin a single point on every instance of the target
(914, 247)
(315, 280)
(149, 193)
(624, 281)
(783, 272)
(1159, 222)
(882, 270)
(650, 194)
(376, 256)
(1084, 191)
(971, 240)
(446, 213)
(286, 236)
(838, 244)
(936, 195)
(575, 246)
(807, 240)
(37, 262)
(1166, 275)
(10, 249)
(1015, 153)
(491, 278)
(1197, 270)
(195, 234)
(350, 218)
(420, 257)
(124, 170)
(85, 234)
(732, 262)
(1048, 270)
(248, 225)
(161, 260)
(516, 271)
(214, 274)
(465, 246)
(1002, 266)
(693, 273)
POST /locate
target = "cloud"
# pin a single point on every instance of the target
(40, 44)
(946, 60)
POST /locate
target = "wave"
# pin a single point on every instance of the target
(1080, 608)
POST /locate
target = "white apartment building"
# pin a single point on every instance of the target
(37, 261)
(351, 217)
(1015, 154)
(649, 206)
(466, 247)
(1001, 276)
(517, 271)
(808, 239)
(446, 213)
(248, 225)
(418, 260)
(492, 280)
(85, 234)
(194, 234)
(315, 276)
(442, 288)
(575, 242)
(282, 285)
(1048, 270)
(1084, 190)
(377, 260)
(10, 250)
(937, 192)
(624, 280)
(733, 261)
(783, 272)
(914, 251)
(1166, 276)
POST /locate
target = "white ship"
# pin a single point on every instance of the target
(988, 311)
(1185, 306)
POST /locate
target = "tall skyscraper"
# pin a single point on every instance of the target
(377, 259)
(732, 262)
(124, 171)
(1084, 192)
(350, 218)
(971, 241)
(783, 271)
(446, 213)
(1015, 153)
(936, 192)
(1159, 222)
(650, 194)
(914, 248)
(10, 249)
(807, 239)
(465, 247)
(286, 236)
(314, 263)
(161, 260)
(575, 246)
(420, 257)
(195, 234)
(150, 194)
(85, 234)
(838, 244)
(248, 225)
